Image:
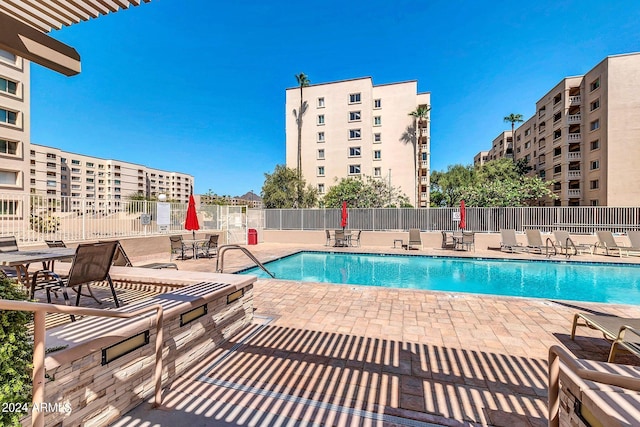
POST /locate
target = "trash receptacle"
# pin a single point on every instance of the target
(253, 236)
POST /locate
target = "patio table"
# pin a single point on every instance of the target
(21, 260)
(194, 244)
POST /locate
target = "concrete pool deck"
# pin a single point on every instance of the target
(321, 354)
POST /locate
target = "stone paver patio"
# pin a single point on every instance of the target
(321, 354)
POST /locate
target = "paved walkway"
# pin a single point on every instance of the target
(321, 354)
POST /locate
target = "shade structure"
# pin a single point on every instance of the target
(191, 221)
(463, 214)
(344, 218)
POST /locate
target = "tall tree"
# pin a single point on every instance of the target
(513, 119)
(303, 81)
(280, 190)
(365, 192)
(420, 116)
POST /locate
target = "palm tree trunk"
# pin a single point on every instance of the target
(300, 149)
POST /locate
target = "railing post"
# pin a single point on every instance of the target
(37, 416)
(84, 219)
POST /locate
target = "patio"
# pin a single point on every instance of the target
(349, 355)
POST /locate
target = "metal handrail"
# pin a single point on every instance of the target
(558, 354)
(546, 247)
(40, 310)
(566, 247)
(220, 261)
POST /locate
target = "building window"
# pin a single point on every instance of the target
(354, 116)
(8, 57)
(594, 184)
(377, 154)
(8, 86)
(377, 138)
(354, 152)
(75, 170)
(595, 164)
(8, 178)
(557, 169)
(557, 151)
(527, 145)
(527, 132)
(557, 134)
(354, 133)
(377, 172)
(320, 170)
(354, 98)
(594, 84)
(51, 183)
(321, 154)
(75, 162)
(377, 103)
(354, 169)
(594, 202)
(89, 165)
(377, 120)
(7, 116)
(321, 188)
(320, 136)
(594, 125)
(8, 147)
(321, 102)
(594, 105)
(595, 144)
(320, 119)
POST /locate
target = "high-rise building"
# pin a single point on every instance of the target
(355, 128)
(584, 136)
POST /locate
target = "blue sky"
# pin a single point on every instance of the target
(198, 86)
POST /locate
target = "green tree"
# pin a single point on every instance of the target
(420, 116)
(447, 186)
(280, 190)
(364, 193)
(513, 119)
(303, 81)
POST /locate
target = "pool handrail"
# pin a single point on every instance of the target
(220, 261)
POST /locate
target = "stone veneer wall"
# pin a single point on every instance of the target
(99, 395)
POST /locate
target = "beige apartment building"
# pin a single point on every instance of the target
(27, 168)
(355, 128)
(585, 136)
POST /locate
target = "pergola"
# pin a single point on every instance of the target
(24, 25)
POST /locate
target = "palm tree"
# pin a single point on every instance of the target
(420, 115)
(513, 119)
(303, 81)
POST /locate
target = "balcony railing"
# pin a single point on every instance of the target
(424, 180)
(574, 118)
(424, 164)
(574, 193)
(576, 99)
(574, 155)
(572, 175)
(423, 196)
(575, 137)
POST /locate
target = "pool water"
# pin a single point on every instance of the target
(538, 279)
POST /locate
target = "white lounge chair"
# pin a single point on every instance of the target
(508, 242)
(565, 243)
(609, 244)
(414, 238)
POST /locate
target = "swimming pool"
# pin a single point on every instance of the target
(538, 279)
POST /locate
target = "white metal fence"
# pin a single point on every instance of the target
(579, 220)
(34, 218)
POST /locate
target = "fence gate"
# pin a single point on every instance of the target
(234, 224)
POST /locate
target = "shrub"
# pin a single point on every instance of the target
(16, 353)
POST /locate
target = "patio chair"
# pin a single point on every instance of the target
(565, 243)
(8, 244)
(467, 241)
(355, 239)
(414, 238)
(534, 240)
(614, 329)
(90, 264)
(209, 248)
(121, 259)
(447, 240)
(508, 241)
(329, 238)
(340, 239)
(178, 247)
(608, 242)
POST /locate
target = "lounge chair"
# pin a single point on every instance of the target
(508, 242)
(447, 240)
(565, 243)
(534, 241)
(623, 332)
(634, 238)
(414, 238)
(355, 239)
(329, 238)
(91, 263)
(121, 259)
(609, 244)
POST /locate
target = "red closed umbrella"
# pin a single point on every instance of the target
(345, 215)
(191, 222)
(463, 214)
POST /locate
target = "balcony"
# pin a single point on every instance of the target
(574, 193)
(575, 118)
(574, 175)
(423, 196)
(424, 180)
(573, 156)
(575, 100)
(575, 137)
(424, 164)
